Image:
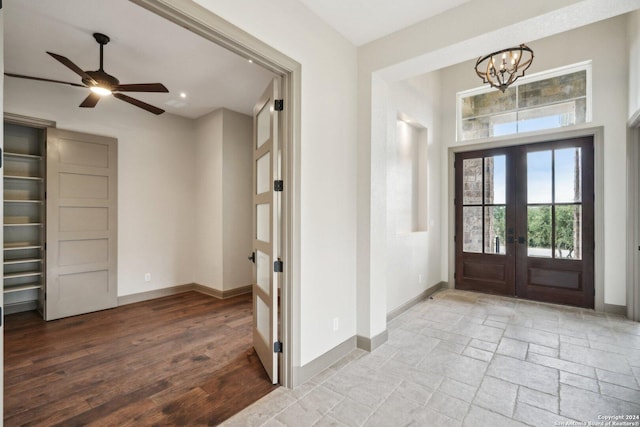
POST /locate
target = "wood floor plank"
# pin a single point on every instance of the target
(185, 359)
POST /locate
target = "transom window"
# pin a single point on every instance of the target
(552, 99)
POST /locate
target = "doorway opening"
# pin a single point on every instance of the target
(205, 24)
(524, 221)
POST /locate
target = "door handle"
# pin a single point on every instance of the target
(252, 258)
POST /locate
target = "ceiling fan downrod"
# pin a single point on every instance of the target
(102, 39)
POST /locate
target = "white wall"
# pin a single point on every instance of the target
(155, 178)
(208, 209)
(237, 200)
(428, 46)
(633, 26)
(607, 45)
(414, 259)
(328, 163)
(223, 203)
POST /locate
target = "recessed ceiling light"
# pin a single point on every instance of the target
(183, 95)
(251, 61)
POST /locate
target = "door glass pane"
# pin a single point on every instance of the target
(262, 319)
(472, 181)
(262, 222)
(539, 177)
(569, 231)
(568, 177)
(539, 231)
(495, 180)
(263, 176)
(263, 131)
(472, 229)
(263, 271)
(494, 227)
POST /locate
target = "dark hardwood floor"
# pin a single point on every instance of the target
(183, 360)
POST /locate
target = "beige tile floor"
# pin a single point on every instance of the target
(471, 359)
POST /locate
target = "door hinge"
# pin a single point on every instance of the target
(277, 347)
(1, 317)
(278, 185)
(454, 239)
(278, 266)
(1, 148)
(278, 105)
(454, 275)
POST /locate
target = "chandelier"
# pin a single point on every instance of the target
(502, 68)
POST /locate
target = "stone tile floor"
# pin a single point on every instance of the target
(470, 359)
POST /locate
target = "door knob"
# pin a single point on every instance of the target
(252, 258)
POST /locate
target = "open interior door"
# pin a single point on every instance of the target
(81, 223)
(266, 213)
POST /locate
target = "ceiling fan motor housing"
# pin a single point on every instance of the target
(103, 79)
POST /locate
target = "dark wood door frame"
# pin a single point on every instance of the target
(514, 271)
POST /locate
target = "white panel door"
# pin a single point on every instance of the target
(81, 223)
(266, 212)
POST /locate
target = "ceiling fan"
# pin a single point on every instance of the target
(102, 84)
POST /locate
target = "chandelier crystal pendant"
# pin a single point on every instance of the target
(500, 69)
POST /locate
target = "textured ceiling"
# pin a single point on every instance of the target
(362, 21)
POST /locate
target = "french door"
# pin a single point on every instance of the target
(524, 221)
(266, 230)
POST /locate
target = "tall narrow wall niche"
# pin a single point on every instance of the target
(24, 218)
(407, 180)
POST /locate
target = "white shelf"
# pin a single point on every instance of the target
(22, 274)
(21, 261)
(24, 218)
(25, 178)
(22, 156)
(20, 246)
(23, 287)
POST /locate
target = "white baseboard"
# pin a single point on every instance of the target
(620, 310)
(174, 290)
(413, 301)
(304, 373)
(370, 344)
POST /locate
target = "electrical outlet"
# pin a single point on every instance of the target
(147, 277)
(336, 323)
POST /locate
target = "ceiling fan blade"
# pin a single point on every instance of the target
(138, 103)
(73, 67)
(142, 87)
(20, 76)
(90, 101)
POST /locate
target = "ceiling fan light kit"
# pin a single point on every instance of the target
(101, 83)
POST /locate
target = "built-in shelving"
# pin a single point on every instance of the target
(24, 218)
(24, 287)
(25, 178)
